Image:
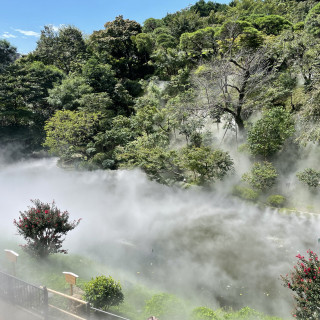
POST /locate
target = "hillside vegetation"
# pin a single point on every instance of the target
(185, 98)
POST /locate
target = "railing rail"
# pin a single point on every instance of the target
(80, 311)
(109, 314)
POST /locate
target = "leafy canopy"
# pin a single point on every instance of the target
(267, 135)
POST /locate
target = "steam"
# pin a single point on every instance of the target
(212, 249)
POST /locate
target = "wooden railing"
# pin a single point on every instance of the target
(68, 305)
(47, 303)
(23, 294)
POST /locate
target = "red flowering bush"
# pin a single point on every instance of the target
(304, 281)
(43, 226)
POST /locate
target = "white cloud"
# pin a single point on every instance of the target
(8, 35)
(56, 28)
(28, 33)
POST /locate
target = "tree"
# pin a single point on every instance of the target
(262, 176)
(69, 132)
(183, 21)
(310, 177)
(64, 48)
(205, 164)
(199, 42)
(238, 34)
(267, 135)
(304, 281)
(103, 292)
(24, 89)
(8, 54)
(144, 44)
(225, 86)
(43, 226)
(151, 24)
(115, 45)
(168, 62)
(152, 155)
(67, 94)
(271, 24)
(96, 102)
(99, 76)
(312, 22)
(204, 8)
(25, 86)
(164, 40)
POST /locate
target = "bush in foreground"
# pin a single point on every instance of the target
(43, 227)
(103, 292)
(304, 281)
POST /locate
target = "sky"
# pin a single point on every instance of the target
(22, 21)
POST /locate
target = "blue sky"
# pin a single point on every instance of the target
(22, 20)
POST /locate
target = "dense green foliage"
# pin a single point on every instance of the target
(70, 132)
(43, 226)
(155, 96)
(8, 54)
(276, 200)
(310, 177)
(267, 135)
(103, 292)
(262, 176)
(245, 193)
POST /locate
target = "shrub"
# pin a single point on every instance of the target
(262, 176)
(247, 313)
(310, 177)
(203, 313)
(165, 306)
(276, 200)
(103, 292)
(43, 227)
(245, 193)
(304, 281)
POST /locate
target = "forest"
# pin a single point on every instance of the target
(184, 98)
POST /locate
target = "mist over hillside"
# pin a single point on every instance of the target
(198, 244)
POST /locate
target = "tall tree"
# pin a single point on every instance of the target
(25, 87)
(8, 54)
(64, 48)
(225, 86)
(115, 45)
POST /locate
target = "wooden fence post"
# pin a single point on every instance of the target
(45, 304)
(88, 310)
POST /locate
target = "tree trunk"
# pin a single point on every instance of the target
(239, 123)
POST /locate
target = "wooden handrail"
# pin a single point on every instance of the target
(66, 312)
(66, 296)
